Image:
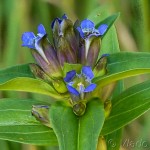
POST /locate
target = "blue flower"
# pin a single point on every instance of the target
(31, 41)
(87, 29)
(78, 84)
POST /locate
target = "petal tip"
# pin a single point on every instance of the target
(102, 28)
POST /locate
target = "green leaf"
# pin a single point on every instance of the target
(68, 67)
(128, 106)
(123, 65)
(20, 78)
(14, 72)
(17, 124)
(113, 140)
(77, 133)
(112, 39)
(30, 85)
(99, 14)
(90, 6)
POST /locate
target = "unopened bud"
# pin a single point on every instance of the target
(69, 35)
(107, 107)
(39, 73)
(79, 109)
(65, 52)
(40, 112)
(100, 68)
(101, 143)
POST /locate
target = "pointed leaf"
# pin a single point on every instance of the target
(17, 124)
(128, 106)
(112, 39)
(123, 65)
(20, 78)
(14, 72)
(29, 85)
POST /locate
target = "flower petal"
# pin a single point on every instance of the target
(87, 71)
(81, 32)
(70, 75)
(90, 88)
(41, 30)
(64, 16)
(102, 29)
(28, 39)
(87, 25)
(72, 90)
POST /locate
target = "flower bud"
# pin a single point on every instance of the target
(40, 112)
(69, 35)
(100, 68)
(65, 52)
(55, 27)
(64, 28)
(81, 53)
(79, 109)
(101, 143)
(39, 73)
(107, 107)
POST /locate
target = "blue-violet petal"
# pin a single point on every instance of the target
(70, 75)
(28, 39)
(81, 32)
(72, 90)
(87, 25)
(87, 71)
(102, 29)
(41, 29)
(64, 16)
(90, 88)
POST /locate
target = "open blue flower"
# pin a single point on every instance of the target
(87, 29)
(78, 84)
(31, 41)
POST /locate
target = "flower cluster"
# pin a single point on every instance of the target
(73, 43)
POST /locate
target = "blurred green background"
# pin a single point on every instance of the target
(133, 28)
